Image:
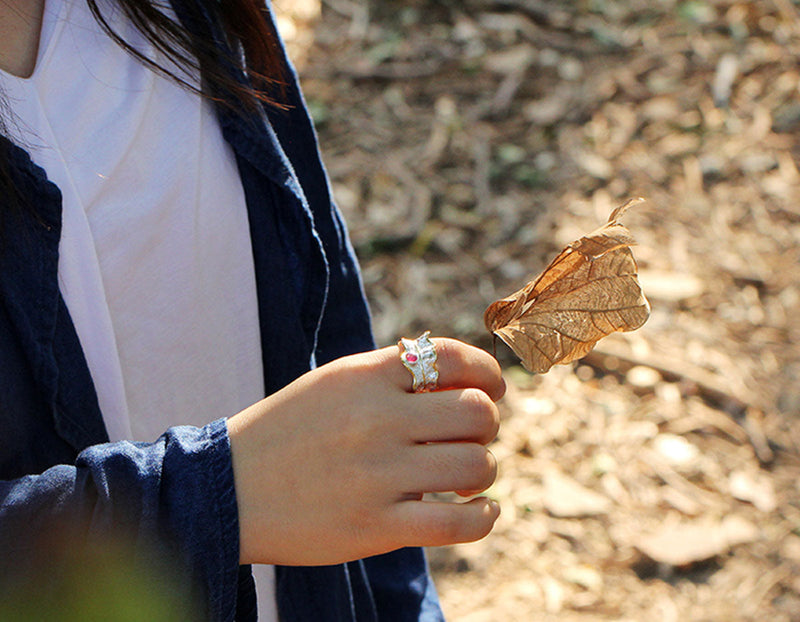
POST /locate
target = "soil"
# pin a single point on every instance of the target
(468, 142)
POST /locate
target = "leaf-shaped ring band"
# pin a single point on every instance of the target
(419, 357)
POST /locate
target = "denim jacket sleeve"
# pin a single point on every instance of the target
(173, 500)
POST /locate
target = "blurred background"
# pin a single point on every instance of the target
(467, 142)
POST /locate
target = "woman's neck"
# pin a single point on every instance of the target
(20, 27)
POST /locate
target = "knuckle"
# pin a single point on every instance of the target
(475, 398)
(446, 360)
(462, 362)
(452, 354)
(480, 466)
(445, 528)
(483, 413)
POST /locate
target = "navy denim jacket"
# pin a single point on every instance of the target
(177, 493)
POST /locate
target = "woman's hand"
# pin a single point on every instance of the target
(333, 467)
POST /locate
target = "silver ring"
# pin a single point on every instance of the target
(419, 357)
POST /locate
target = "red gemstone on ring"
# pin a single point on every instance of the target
(411, 358)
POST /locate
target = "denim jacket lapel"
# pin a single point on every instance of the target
(29, 290)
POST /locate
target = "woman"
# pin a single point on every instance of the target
(169, 255)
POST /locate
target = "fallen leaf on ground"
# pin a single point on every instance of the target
(687, 543)
(566, 498)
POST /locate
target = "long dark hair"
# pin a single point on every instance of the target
(253, 49)
(242, 21)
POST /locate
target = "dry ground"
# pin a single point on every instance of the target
(467, 142)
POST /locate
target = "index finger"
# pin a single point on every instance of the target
(460, 366)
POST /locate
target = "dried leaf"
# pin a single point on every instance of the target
(588, 291)
(756, 488)
(687, 543)
(566, 498)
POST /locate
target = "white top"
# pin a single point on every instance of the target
(155, 263)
